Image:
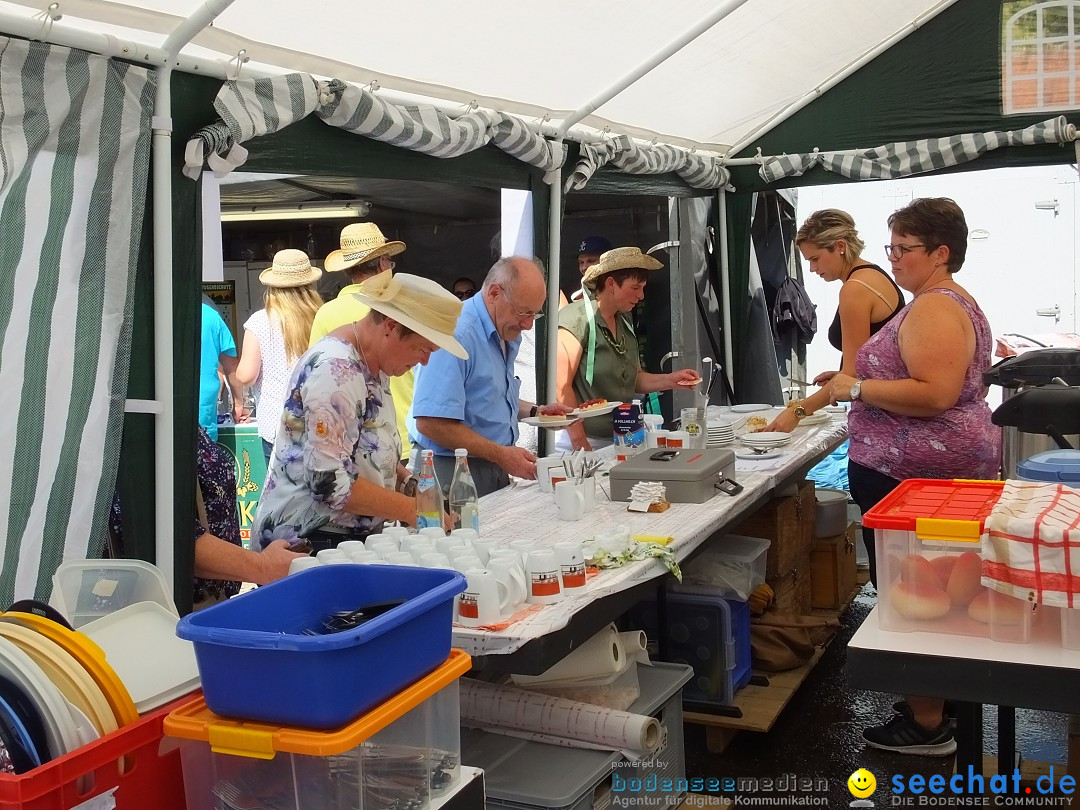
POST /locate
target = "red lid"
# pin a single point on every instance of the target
(922, 498)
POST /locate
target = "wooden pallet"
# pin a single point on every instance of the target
(761, 705)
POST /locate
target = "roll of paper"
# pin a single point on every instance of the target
(601, 655)
(633, 641)
(563, 722)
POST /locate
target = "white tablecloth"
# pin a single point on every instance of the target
(522, 512)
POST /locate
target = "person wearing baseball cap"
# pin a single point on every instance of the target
(364, 252)
(589, 250)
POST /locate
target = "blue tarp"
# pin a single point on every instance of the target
(831, 471)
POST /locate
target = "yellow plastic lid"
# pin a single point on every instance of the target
(194, 721)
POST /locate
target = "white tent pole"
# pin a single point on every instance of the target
(554, 272)
(725, 289)
(657, 58)
(161, 166)
(767, 126)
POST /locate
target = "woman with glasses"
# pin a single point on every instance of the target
(868, 298)
(598, 350)
(918, 406)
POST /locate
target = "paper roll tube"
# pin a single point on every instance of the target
(491, 705)
(633, 642)
(601, 655)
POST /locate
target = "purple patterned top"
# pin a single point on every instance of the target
(958, 443)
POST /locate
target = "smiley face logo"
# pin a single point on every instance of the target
(861, 783)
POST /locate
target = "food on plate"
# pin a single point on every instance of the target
(552, 417)
(916, 568)
(1002, 609)
(756, 424)
(965, 581)
(916, 600)
(592, 404)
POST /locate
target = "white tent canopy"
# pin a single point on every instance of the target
(543, 60)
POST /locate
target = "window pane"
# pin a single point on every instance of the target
(1055, 58)
(1024, 62)
(1055, 93)
(1024, 94)
(1055, 22)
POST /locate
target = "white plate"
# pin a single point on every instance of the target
(763, 445)
(611, 405)
(766, 436)
(835, 409)
(60, 731)
(750, 408)
(750, 455)
(815, 419)
(558, 423)
(141, 644)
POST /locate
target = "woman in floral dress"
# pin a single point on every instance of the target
(336, 471)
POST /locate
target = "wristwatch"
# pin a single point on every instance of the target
(533, 411)
(856, 390)
(410, 486)
(798, 409)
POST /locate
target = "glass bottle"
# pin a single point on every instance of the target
(464, 502)
(428, 494)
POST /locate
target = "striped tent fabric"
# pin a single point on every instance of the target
(698, 171)
(74, 157)
(253, 107)
(903, 159)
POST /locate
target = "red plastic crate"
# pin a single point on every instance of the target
(149, 779)
(934, 499)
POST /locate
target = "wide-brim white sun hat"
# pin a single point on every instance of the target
(419, 304)
(361, 242)
(291, 268)
(622, 258)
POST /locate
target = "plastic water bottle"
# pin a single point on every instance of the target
(628, 430)
(464, 502)
(428, 494)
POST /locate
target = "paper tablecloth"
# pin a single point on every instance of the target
(522, 512)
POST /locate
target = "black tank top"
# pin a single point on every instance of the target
(836, 335)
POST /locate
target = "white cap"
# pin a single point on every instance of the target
(461, 452)
(426, 453)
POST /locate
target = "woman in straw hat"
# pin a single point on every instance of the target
(336, 472)
(598, 350)
(276, 335)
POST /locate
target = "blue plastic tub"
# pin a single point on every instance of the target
(255, 664)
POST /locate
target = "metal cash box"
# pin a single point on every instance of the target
(690, 476)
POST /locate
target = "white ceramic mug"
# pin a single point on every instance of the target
(483, 548)
(485, 600)
(571, 565)
(349, 546)
(570, 500)
(329, 556)
(508, 569)
(463, 564)
(395, 532)
(454, 552)
(432, 531)
(418, 550)
(470, 536)
(382, 547)
(444, 544)
(435, 560)
(543, 577)
(523, 548)
(410, 541)
(545, 467)
(364, 557)
(383, 537)
(678, 440)
(399, 558)
(302, 564)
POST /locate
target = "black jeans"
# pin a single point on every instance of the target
(867, 488)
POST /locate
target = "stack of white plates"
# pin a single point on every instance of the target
(766, 440)
(720, 434)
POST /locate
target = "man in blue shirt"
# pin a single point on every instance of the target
(474, 403)
(218, 347)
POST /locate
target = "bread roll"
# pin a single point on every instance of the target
(1000, 608)
(915, 600)
(965, 581)
(944, 565)
(916, 568)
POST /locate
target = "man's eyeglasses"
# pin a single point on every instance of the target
(897, 252)
(464, 294)
(522, 314)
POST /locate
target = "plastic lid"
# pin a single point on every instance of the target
(194, 721)
(824, 495)
(1052, 465)
(461, 452)
(937, 509)
(84, 590)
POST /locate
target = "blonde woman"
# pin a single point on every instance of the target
(868, 298)
(276, 336)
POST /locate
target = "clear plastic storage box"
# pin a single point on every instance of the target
(85, 590)
(929, 562)
(401, 754)
(732, 566)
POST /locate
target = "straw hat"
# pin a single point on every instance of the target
(624, 258)
(291, 268)
(417, 303)
(361, 242)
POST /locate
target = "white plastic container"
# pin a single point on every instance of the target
(85, 590)
(732, 567)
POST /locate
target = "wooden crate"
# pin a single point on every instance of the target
(793, 588)
(832, 569)
(788, 523)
